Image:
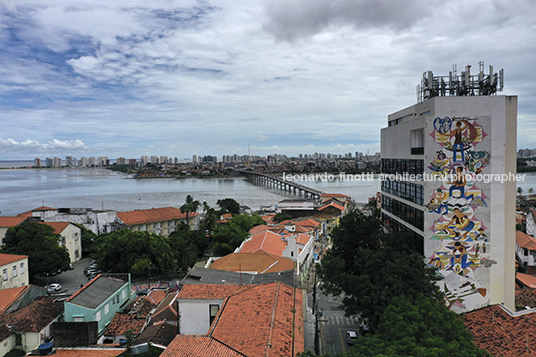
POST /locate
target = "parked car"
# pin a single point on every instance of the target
(53, 288)
(351, 337)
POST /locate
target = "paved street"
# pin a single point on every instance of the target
(70, 280)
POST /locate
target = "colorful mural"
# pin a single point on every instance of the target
(456, 202)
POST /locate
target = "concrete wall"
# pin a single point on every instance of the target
(75, 334)
(195, 315)
(7, 345)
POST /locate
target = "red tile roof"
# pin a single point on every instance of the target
(152, 215)
(35, 316)
(88, 352)
(260, 263)
(332, 204)
(10, 258)
(527, 280)
(9, 296)
(525, 241)
(156, 296)
(525, 297)
(501, 334)
(58, 226)
(11, 221)
(29, 213)
(268, 218)
(121, 323)
(260, 228)
(268, 242)
(303, 239)
(198, 346)
(266, 320)
(140, 307)
(211, 291)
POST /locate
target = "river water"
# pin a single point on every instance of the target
(22, 190)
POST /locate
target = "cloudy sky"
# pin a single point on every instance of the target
(177, 78)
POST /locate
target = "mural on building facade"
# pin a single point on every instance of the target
(456, 200)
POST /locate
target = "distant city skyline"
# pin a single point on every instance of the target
(185, 77)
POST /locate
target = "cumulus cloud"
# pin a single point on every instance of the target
(34, 145)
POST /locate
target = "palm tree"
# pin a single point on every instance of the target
(519, 191)
(190, 206)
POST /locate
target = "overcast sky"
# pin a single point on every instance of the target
(177, 78)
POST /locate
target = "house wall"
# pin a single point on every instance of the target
(195, 315)
(7, 345)
(72, 235)
(3, 231)
(21, 278)
(531, 224)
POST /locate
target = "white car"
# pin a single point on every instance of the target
(53, 288)
(351, 336)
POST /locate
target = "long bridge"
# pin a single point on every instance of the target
(276, 182)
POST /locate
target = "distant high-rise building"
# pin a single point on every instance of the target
(37, 162)
(194, 159)
(57, 162)
(121, 161)
(92, 161)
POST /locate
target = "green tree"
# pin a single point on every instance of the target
(421, 327)
(188, 246)
(190, 206)
(88, 239)
(282, 216)
(229, 205)
(41, 244)
(138, 253)
(230, 235)
(369, 269)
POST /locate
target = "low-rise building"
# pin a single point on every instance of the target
(70, 238)
(14, 270)
(526, 248)
(99, 300)
(158, 220)
(31, 325)
(258, 320)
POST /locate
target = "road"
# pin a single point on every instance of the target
(333, 324)
(70, 280)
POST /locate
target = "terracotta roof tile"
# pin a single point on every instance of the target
(268, 242)
(198, 346)
(525, 297)
(140, 307)
(152, 215)
(501, 334)
(260, 228)
(10, 258)
(35, 316)
(266, 320)
(121, 323)
(4, 333)
(268, 218)
(29, 213)
(9, 296)
(89, 352)
(11, 221)
(525, 241)
(259, 263)
(303, 239)
(58, 226)
(527, 279)
(211, 291)
(332, 204)
(157, 296)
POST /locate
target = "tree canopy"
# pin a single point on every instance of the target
(231, 234)
(229, 205)
(370, 269)
(140, 253)
(421, 327)
(190, 206)
(41, 244)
